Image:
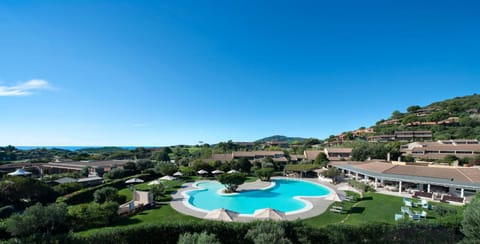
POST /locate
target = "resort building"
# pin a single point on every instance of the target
(281, 144)
(453, 182)
(94, 167)
(404, 136)
(332, 153)
(438, 150)
(277, 156)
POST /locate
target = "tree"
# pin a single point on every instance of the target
(449, 159)
(144, 164)
(89, 215)
(471, 221)
(231, 181)
(243, 164)
(396, 114)
(157, 190)
(25, 191)
(197, 238)
(116, 173)
(66, 188)
(106, 194)
(266, 232)
(160, 155)
(39, 220)
(321, 159)
(264, 174)
(331, 173)
(413, 108)
(85, 171)
(201, 165)
(165, 168)
(130, 168)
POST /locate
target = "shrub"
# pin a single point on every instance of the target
(108, 194)
(266, 232)
(6, 211)
(116, 173)
(444, 210)
(66, 188)
(84, 216)
(198, 238)
(361, 186)
(38, 219)
(264, 174)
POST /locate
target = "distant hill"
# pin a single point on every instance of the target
(281, 138)
(456, 118)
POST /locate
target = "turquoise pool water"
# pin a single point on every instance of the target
(279, 197)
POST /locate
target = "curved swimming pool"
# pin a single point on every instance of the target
(283, 196)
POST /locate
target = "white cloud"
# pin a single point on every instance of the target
(139, 125)
(24, 88)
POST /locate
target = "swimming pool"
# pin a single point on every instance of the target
(284, 195)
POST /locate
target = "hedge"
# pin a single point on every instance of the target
(295, 231)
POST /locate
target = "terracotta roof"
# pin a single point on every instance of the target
(443, 173)
(312, 154)
(451, 174)
(448, 147)
(338, 150)
(222, 157)
(376, 166)
(257, 153)
(471, 173)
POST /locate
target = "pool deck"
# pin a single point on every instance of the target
(319, 205)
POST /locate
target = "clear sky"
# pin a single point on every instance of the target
(158, 73)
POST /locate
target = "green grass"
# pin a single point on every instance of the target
(375, 207)
(162, 214)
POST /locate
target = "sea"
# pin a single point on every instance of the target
(75, 148)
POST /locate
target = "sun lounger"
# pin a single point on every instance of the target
(336, 209)
(398, 217)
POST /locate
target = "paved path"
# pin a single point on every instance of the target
(320, 205)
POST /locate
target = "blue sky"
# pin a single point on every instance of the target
(178, 72)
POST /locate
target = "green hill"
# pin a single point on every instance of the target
(281, 138)
(456, 118)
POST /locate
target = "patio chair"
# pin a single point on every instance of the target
(336, 209)
(415, 216)
(408, 204)
(423, 215)
(398, 217)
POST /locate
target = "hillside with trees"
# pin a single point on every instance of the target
(456, 118)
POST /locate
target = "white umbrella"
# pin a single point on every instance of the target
(20, 172)
(217, 172)
(154, 182)
(232, 171)
(134, 180)
(269, 213)
(220, 214)
(178, 174)
(168, 177)
(202, 172)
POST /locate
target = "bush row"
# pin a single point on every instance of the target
(294, 231)
(361, 186)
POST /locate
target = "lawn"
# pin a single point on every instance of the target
(160, 214)
(375, 207)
